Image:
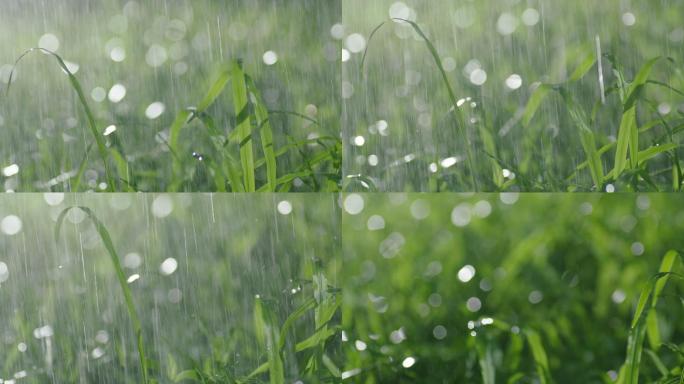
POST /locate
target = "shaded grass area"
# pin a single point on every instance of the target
(512, 288)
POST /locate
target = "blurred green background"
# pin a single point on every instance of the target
(421, 272)
(397, 127)
(158, 51)
(194, 263)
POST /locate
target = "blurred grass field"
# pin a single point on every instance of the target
(404, 131)
(511, 288)
(140, 64)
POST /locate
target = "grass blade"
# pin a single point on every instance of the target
(534, 102)
(76, 85)
(655, 150)
(241, 105)
(215, 90)
(289, 322)
(266, 134)
(486, 361)
(539, 355)
(625, 135)
(629, 373)
(459, 120)
(121, 276)
(266, 331)
(586, 137)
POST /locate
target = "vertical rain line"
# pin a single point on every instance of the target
(600, 69)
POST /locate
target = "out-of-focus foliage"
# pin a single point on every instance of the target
(514, 288)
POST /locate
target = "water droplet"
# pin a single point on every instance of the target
(49, 41)
(270, 58)
(116, 93)
(408, 362)
(284, 207)
(10, 170)
(155, 110)
(162, 206)
(168, 266)
(514, 81)
(355, 43)
(10, 225)
(353, 204)
(109, 130)
(466, 273)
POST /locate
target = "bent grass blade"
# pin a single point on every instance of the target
(116, 263)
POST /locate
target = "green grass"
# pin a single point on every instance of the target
(564, 288)
(565, 129)
(287, 112)
(227, 174)
(225, 313)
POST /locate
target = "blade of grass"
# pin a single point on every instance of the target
(534, 102)
(629, 373)
(241, 105)
(459, 119)
(76, 85)
(121, 276)
(586, 137)
(81, 169)
(628, 134)
(266, 134)
(539, 355)
(486, 361)
(266, 331)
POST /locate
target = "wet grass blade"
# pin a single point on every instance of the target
(629, 373)
(539, 355)
(241, 104)
(174, 132)
(459, 119)
(586, 137)
(266, 135)
(486, 361)
(266, 331)
(289, 322)
(76, 85)
(215, 90)
(534, 102)
(628, 134)
(655, 150)
(81, 169)
(121, 276)
(370, 37)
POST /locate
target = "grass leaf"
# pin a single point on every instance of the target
(121, 276)
(76, 85)
(241, 105)
(534, 102)
(539, 355)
